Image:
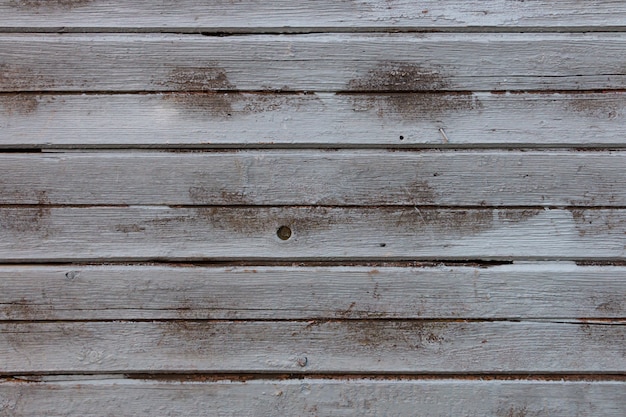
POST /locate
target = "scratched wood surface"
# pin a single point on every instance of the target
(396, 62)
(335, 346)
(312, 120)
(140, 233)
(187, 281)
(313, 397)
(310, 177)
(154, 292)
(282, 16)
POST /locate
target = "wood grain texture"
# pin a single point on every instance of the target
(285, 15)
(326, 62)
(353, 346)
(535, 291)
(312, 120)
(313, 397)
(41, 234)
(311, 177)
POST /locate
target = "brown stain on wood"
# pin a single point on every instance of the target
(48, 4)
(420, 192)
(194, 337)
(203, 195)
(226, 105)
(513, 411)
(19, 78)
(27, 219)
(397, 335)
(517, 216)
(18, 104)
(407, 91)
(129, 228)
(252, 221)
(605, 107)
(446, 221)
(21, 309)
(597, 222)
(209, 78)
(202, 104)
(611, 336)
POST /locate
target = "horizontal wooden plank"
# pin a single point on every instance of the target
(43, 234)
(314, 397)
(314, 120)
(305, 177)
(533, 291)
(352, 346)
(328, 62)
(285, 15)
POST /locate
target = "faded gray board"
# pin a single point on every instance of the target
(286, 15)
(313, 397)
(41, 233)
(313, 120)
(352, 346)
(533, 291)
(328, 62)
(313, 177)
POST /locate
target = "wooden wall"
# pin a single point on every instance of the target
(325, 208)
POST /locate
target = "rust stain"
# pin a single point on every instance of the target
(49, 4)
(612, 337)
(407, 91)
(18, 310)
(129, 228)
(20, 78)
(448, 221)
(20, 104)
(399, 77)
(211, 78)
(513, 411)
(420, 192)
(401, 335)
(516, 216)
(255, 221)
(232, 104)
(604, 107)
(597, 222)
(612, 306)
(201, 104)
(28, 219)
(196, 336)
(203, 195)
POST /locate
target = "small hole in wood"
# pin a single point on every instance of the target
(283, 233)
(401, 137)
(382, 245)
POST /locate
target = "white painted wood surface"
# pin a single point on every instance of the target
(117, 292)
(43, 234)
(310, 177)
(314, 397)
(313, 120)
(326, 15)
(352, 346)
(345, 292)
(320, 62)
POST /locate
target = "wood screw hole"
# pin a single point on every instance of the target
(283, 233)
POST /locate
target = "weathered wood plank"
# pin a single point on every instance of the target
(285, 15)
(314, 397)
(305, 177)
(313, 120)
(160, 292)
(353, 346)
(43, 234)
(329, 62)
